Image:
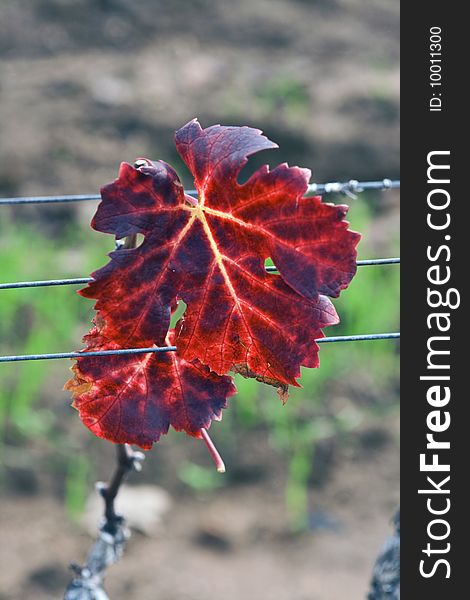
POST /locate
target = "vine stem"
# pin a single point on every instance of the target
(112, 533)
(127, 460)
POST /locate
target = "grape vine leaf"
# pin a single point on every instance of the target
(135, 398)
(211, 253)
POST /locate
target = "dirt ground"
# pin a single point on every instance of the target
(230, 544)
(85, 84)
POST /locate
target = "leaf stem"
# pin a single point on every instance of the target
(219, 463)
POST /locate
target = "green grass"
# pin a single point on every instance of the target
(41, 320)
(35, 320)
(283, 93)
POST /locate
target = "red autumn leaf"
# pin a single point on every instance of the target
(135, 398)
(211, 253)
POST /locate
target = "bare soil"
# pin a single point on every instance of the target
(232, 543)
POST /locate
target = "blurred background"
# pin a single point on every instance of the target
(311, 486)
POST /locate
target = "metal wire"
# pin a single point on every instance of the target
(359, 338)
(45, 283)
(350, 188)
(378, 261)
(339, 338)
(82, 280)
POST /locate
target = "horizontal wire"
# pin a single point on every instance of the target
(82, 280)
(44, 283)
(57, 355)
(350, 188)
(378, 261)
(339, 338)
(359, 338)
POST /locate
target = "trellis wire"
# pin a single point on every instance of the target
(45, 283)
(350, 188)
(82, 280)
(57, 355)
